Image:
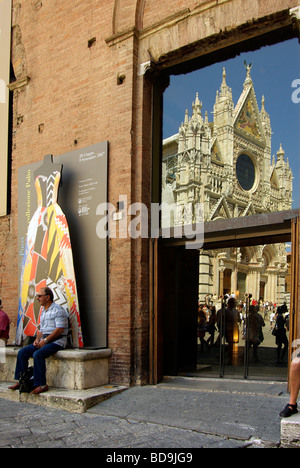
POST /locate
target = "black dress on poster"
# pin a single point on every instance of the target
(48, 259)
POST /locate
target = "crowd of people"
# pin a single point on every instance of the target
(243, 319)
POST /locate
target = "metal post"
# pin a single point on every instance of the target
(222, 340)
(246, 351)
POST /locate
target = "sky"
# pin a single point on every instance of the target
(275, 74)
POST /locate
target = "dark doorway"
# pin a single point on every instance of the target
(199, 338)
(178, 277)
(177, 346)
(227, 282)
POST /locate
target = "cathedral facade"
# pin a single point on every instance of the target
(226, 166)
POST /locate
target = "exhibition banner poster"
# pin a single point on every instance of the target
(58, 243)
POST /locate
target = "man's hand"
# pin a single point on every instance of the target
(41, 343)
(39, 337)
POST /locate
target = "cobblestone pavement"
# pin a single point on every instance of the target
(35, 427)
(150, 418)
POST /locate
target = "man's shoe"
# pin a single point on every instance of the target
(15, 387)
(288, 411)
(38, 390)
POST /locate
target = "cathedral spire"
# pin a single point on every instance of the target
(197, 105)
(280, 155)
(224, 84)
(186, 118)
(225, 91)
(265, 119)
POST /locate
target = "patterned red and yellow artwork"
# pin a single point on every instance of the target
(48, 259)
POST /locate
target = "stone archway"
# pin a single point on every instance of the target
(128, 14)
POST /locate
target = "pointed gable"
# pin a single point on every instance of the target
(247, 121)
(220, 210)
(249, 210)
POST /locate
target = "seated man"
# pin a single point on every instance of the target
(51, 338)
(292, 407)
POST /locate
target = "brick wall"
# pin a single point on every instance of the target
(73, 51)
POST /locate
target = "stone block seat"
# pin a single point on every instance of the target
(73, 369)
(77, 379)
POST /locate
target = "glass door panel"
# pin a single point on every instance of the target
(235, 329)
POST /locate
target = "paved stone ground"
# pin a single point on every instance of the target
(31, 426)
(159, 417)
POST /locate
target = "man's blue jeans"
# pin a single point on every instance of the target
(39, 360)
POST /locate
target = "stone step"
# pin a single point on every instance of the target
(75, 401)
(290, 431)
